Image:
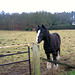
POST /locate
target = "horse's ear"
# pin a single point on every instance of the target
(38, 26)
(43, 26)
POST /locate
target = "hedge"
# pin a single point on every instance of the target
(56, 27)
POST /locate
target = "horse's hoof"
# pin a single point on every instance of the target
(48, 65)
(56, 66)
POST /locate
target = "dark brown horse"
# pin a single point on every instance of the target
(51, 43)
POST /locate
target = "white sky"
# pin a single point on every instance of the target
(19, 6)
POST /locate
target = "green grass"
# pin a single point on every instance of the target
(69, 73)
(72, 73)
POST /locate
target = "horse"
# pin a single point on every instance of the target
(51, 45)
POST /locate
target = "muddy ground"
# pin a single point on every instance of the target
(23, 69)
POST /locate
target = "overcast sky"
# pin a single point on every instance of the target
(19, 6)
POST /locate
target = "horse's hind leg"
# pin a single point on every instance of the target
(54, 59)
(48, 63)
(58, 54)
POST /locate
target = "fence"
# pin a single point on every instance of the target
(16, 54)
(36, 58)
(70, 66)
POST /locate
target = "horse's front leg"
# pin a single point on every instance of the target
(54, 59)
(48, 63)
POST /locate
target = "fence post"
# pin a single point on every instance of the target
(36, 60)
(29, 59)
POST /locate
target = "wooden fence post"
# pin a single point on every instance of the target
(36, 60)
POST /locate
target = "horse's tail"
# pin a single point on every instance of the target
(59, 38)
(59, 43)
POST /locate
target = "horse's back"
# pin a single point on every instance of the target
(56, 38)
(56, 35)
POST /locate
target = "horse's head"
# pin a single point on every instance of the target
(41, 32)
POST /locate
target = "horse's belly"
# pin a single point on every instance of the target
(48, 51)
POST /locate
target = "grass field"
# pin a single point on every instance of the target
(8, 38)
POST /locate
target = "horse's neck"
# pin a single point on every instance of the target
(47, 39)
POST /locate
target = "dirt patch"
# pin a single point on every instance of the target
(15, 69)
(23, 69)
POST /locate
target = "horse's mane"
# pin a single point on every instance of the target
(48, 33)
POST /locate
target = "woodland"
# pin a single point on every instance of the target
(30, 21)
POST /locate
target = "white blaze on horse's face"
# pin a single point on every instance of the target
(37, 36)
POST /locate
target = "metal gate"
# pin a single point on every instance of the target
(16, 54)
